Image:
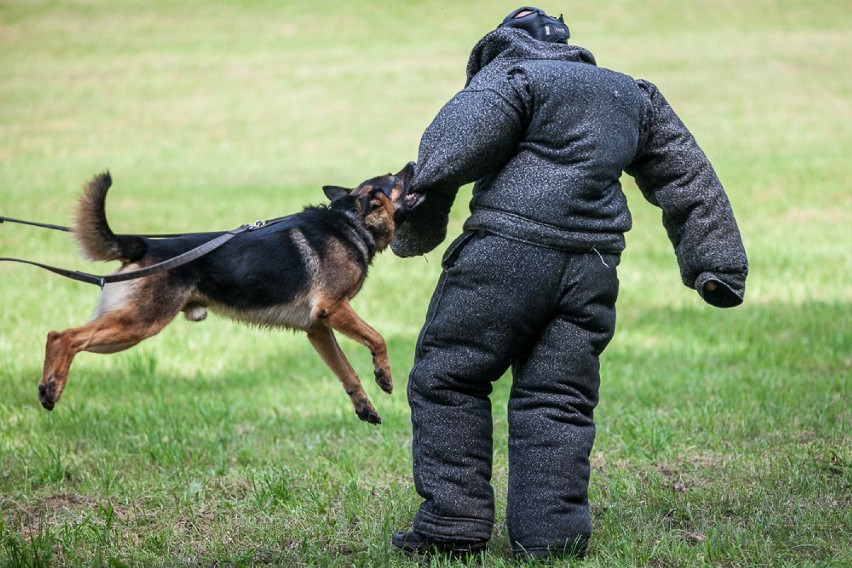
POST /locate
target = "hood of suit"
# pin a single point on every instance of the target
(509, 44)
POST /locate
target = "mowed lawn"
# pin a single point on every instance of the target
(723, 435)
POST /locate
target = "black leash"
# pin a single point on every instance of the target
(70, 230)
(174, 262)
(35, 224)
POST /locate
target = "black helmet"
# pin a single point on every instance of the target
(538, 24)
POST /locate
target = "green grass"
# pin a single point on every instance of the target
(724, 436)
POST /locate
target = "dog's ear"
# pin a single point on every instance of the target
(335, 191)
(407, 172)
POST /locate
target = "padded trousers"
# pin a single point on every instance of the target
(547, 314)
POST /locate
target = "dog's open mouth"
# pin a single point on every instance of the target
(412, 200)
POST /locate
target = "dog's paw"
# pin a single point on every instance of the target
(367, 413)
(47, 394)
(384, 380)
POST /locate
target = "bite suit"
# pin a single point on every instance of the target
(531, 283)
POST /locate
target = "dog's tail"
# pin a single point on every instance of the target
(92, 231)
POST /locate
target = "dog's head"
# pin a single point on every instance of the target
(383, 202)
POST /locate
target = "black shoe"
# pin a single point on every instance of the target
(415, 543)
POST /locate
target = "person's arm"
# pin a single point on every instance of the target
(474, 134)
(674, 174)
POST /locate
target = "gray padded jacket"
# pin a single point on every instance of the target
(546, 135)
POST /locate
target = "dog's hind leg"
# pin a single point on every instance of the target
(344, 319)
(323, 340)
(112, 332)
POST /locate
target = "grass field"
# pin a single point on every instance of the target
(724, 436)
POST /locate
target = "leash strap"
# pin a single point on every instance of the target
(35, 224)
(72, 274)
(70, 230)
(176, 261)
(173, 262)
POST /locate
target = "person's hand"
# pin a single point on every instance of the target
(716, 290)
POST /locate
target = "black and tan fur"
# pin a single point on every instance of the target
(299, 274)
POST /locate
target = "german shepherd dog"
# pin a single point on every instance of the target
(300, 273)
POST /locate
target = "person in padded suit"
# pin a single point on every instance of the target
(531, 283)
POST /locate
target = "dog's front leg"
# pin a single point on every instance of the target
(344, 319)
(323, 340)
